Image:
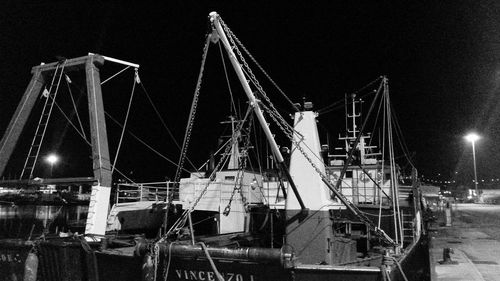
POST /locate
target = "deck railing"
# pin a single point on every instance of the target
(152, 191)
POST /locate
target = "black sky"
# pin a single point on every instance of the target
(442, 59)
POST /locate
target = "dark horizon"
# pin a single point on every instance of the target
(442, 61)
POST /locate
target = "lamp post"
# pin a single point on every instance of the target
(51, 159)
(472, 138)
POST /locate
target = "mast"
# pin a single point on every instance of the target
(254, 103)
(214, 19)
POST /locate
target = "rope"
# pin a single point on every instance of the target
(212, 264)
(385, 275)
(156, 259)
(125, 122)
(401, 269)
(169, 260)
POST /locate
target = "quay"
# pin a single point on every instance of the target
(473, 240)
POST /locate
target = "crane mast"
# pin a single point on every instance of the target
(214, 19)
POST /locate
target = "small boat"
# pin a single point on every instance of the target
(315, 215)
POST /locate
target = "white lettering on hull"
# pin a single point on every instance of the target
(195, 275)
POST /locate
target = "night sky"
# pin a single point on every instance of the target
(442, 59)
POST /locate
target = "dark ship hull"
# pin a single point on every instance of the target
(67, 260)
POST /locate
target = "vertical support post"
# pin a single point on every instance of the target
(99, 200)
(16, 125)
(100, 151)
(475, 170)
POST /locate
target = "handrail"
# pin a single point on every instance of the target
(152, 191)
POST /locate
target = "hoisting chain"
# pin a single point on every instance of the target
(237, 187)
(323, 176)
(231, 36)
(279, 120)
(249, 71)
(182, 218)
(192, 115)
(239, 176)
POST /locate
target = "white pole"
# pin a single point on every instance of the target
(253, 101)
(475, 170)
(134, 65)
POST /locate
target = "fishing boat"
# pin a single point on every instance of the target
(314, 215)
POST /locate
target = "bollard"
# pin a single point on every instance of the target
(447, 256)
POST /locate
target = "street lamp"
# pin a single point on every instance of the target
(472, 138)
(51, 159)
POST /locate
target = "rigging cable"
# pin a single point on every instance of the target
(401, 140)
(143, 142)
(71, 123)
(245, 68)
(335, 105)
(384, 118)
(136, 78)
(233, 106)
(165, 124)
(85, 140)
(120, 125)
(114, 75)
(215, 153)
(231, 36)
(68, 81)
(394, 181)
(351, 206)
(49, 114)
(225, 156)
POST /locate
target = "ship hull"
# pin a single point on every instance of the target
(76, 260)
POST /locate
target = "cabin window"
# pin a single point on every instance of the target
(229, 178)
(387, 176)
(348, 174)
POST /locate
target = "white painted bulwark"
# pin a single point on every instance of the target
(221, 193)
(98, 210)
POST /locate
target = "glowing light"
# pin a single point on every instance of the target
(472, 137)
(52, 159)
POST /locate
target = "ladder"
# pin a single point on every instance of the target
(408, 227)
(50, 97)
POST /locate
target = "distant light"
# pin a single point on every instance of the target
(52, 159)
(472, 137)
